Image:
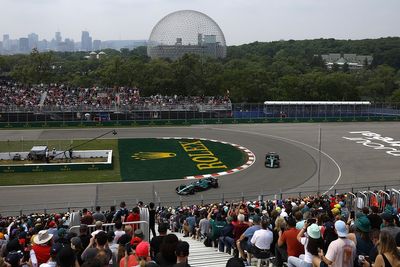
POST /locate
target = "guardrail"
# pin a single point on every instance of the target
(381, 192)
(144, 225)
(235, 113)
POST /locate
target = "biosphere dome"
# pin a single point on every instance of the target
(186, 31)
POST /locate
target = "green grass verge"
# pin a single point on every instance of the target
(62, 177)
(174, 167)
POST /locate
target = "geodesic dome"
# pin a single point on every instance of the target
(186, 31)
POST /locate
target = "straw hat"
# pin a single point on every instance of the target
(42, 237)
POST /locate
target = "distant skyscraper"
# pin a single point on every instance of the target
(96, 45)
(33, 40)
(58, 37)
(6, 42)
(23, 45)
(86, 41)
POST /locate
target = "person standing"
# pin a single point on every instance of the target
(152, 219)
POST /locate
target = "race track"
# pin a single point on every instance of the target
(344, 164)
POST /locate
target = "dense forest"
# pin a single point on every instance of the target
(281, 70)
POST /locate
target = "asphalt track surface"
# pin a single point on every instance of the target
(344, 164)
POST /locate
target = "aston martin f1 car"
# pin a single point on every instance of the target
(272, 160)
(199, 185)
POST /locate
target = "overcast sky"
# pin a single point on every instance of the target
(242, 21)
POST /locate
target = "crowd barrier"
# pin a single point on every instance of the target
(373, 194)
(144, 225)
(236, 113)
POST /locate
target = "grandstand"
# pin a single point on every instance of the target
(333, 207)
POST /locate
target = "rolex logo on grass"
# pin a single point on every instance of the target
(152, 155)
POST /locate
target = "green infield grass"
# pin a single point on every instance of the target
(142, 159)
(162, 159)
(61, 177)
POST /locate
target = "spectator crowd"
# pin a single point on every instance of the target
(14, 96)
(308, 231)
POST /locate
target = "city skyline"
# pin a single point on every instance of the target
(242, 21)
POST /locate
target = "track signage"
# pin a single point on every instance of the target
(376, 141)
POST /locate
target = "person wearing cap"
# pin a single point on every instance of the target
(141, 254)
(243, 243)
(364, 242)
(310, 237)
(388, 224)
(182, 253)
(341, 252)
(40, 252)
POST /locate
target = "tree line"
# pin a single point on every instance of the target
(255, 72)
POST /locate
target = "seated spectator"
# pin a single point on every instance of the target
(341, 252)
(312, 241)
(261, 242)
(226, 232)
(287, 244)
(388, 255)
(243, 243)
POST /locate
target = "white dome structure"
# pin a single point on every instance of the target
(186, 31)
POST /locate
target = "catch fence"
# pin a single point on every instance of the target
(193, 114)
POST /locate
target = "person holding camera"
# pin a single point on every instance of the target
(341, 252)
(310, 237)
(389, 254)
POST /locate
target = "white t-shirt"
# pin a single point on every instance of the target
(49, 264)
(262, 238)
(341, 252)
(307, 255)
(118, 234)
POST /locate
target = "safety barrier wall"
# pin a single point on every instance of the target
(237, 113)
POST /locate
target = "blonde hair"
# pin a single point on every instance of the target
(279, 223)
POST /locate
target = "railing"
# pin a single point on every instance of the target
(195, 113)
(356, 193)
(144, 225)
